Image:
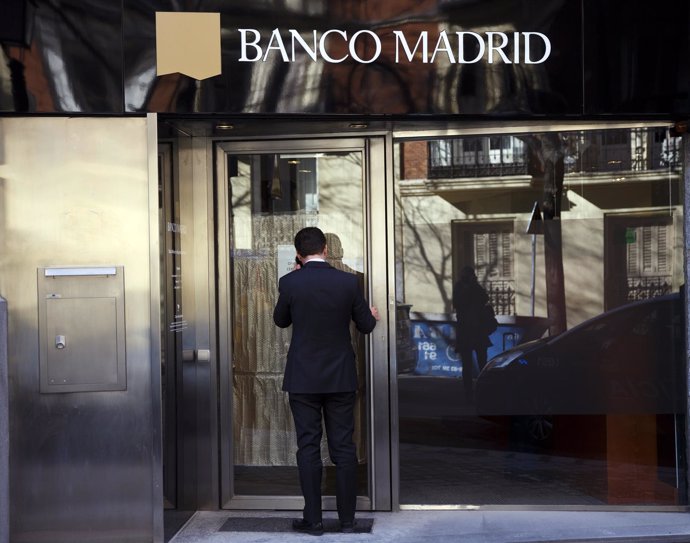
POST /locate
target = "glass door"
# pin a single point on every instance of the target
(266, 193)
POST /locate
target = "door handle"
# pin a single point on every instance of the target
(200, 355)
(203, 355)
(188, 355)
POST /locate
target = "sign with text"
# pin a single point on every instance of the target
(436, 354)
(286, 259)
(189, 43)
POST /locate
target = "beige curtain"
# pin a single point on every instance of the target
(263, 429)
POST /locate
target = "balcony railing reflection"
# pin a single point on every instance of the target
(584, 152)
(501, 296)
(477, 170)
(642, 288)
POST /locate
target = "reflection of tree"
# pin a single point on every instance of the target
(350, 161)
(428, 239)
(440, 268)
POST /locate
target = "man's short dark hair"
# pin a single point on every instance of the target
(310, 241)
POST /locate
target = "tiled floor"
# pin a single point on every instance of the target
(466, 527)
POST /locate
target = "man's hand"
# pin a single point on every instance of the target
(375, 312)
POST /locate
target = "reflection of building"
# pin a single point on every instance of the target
(620, 216)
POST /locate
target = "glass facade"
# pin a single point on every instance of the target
(575, 239)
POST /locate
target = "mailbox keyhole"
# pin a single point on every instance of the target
(60, 342)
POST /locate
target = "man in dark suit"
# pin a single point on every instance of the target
(319, 302)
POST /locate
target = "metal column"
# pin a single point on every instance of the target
(4, 430)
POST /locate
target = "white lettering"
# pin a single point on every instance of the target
(400, 40)
(353, 50)
(322, 46)
(499, 49)
(312, 52)
(244, 43)
(446, 47)
(547, 47)
(516, 47)
(493, 47)
(461, 47)
(275, 36)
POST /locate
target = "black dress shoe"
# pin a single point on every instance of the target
(347, 527)
(311, 528)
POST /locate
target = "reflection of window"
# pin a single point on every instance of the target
(493, 255)
(637, 149)
(666, 150)
(493, 263)
(477, 157)
(648, 261)
(648, 250)
(489, 249)
(284, 184)
(616, 137)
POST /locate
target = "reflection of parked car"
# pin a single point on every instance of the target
(626, 361)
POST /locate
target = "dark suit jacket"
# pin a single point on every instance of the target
(319, 302)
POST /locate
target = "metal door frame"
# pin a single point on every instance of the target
(376, 199)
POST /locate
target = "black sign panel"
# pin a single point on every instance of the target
(377, 57)
(497, 58)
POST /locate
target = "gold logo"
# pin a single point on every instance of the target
(188, 43)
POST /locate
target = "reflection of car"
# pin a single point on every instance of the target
(626, 361)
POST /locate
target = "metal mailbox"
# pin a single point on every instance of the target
(81, 329)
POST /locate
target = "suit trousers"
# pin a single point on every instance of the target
(337, 412)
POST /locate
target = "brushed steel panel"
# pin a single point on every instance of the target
(88, 354)
(76, 192)
(4, 429)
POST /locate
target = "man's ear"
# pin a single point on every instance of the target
(325, 250)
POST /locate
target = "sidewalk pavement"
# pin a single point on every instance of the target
(414, 526)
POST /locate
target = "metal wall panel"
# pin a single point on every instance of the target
(76, 192)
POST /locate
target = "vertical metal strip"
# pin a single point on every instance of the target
(4, 428)
(381, 362)
(224, 347)
(686, 260)
(205, 371)
(392, 325)
(155, 331)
